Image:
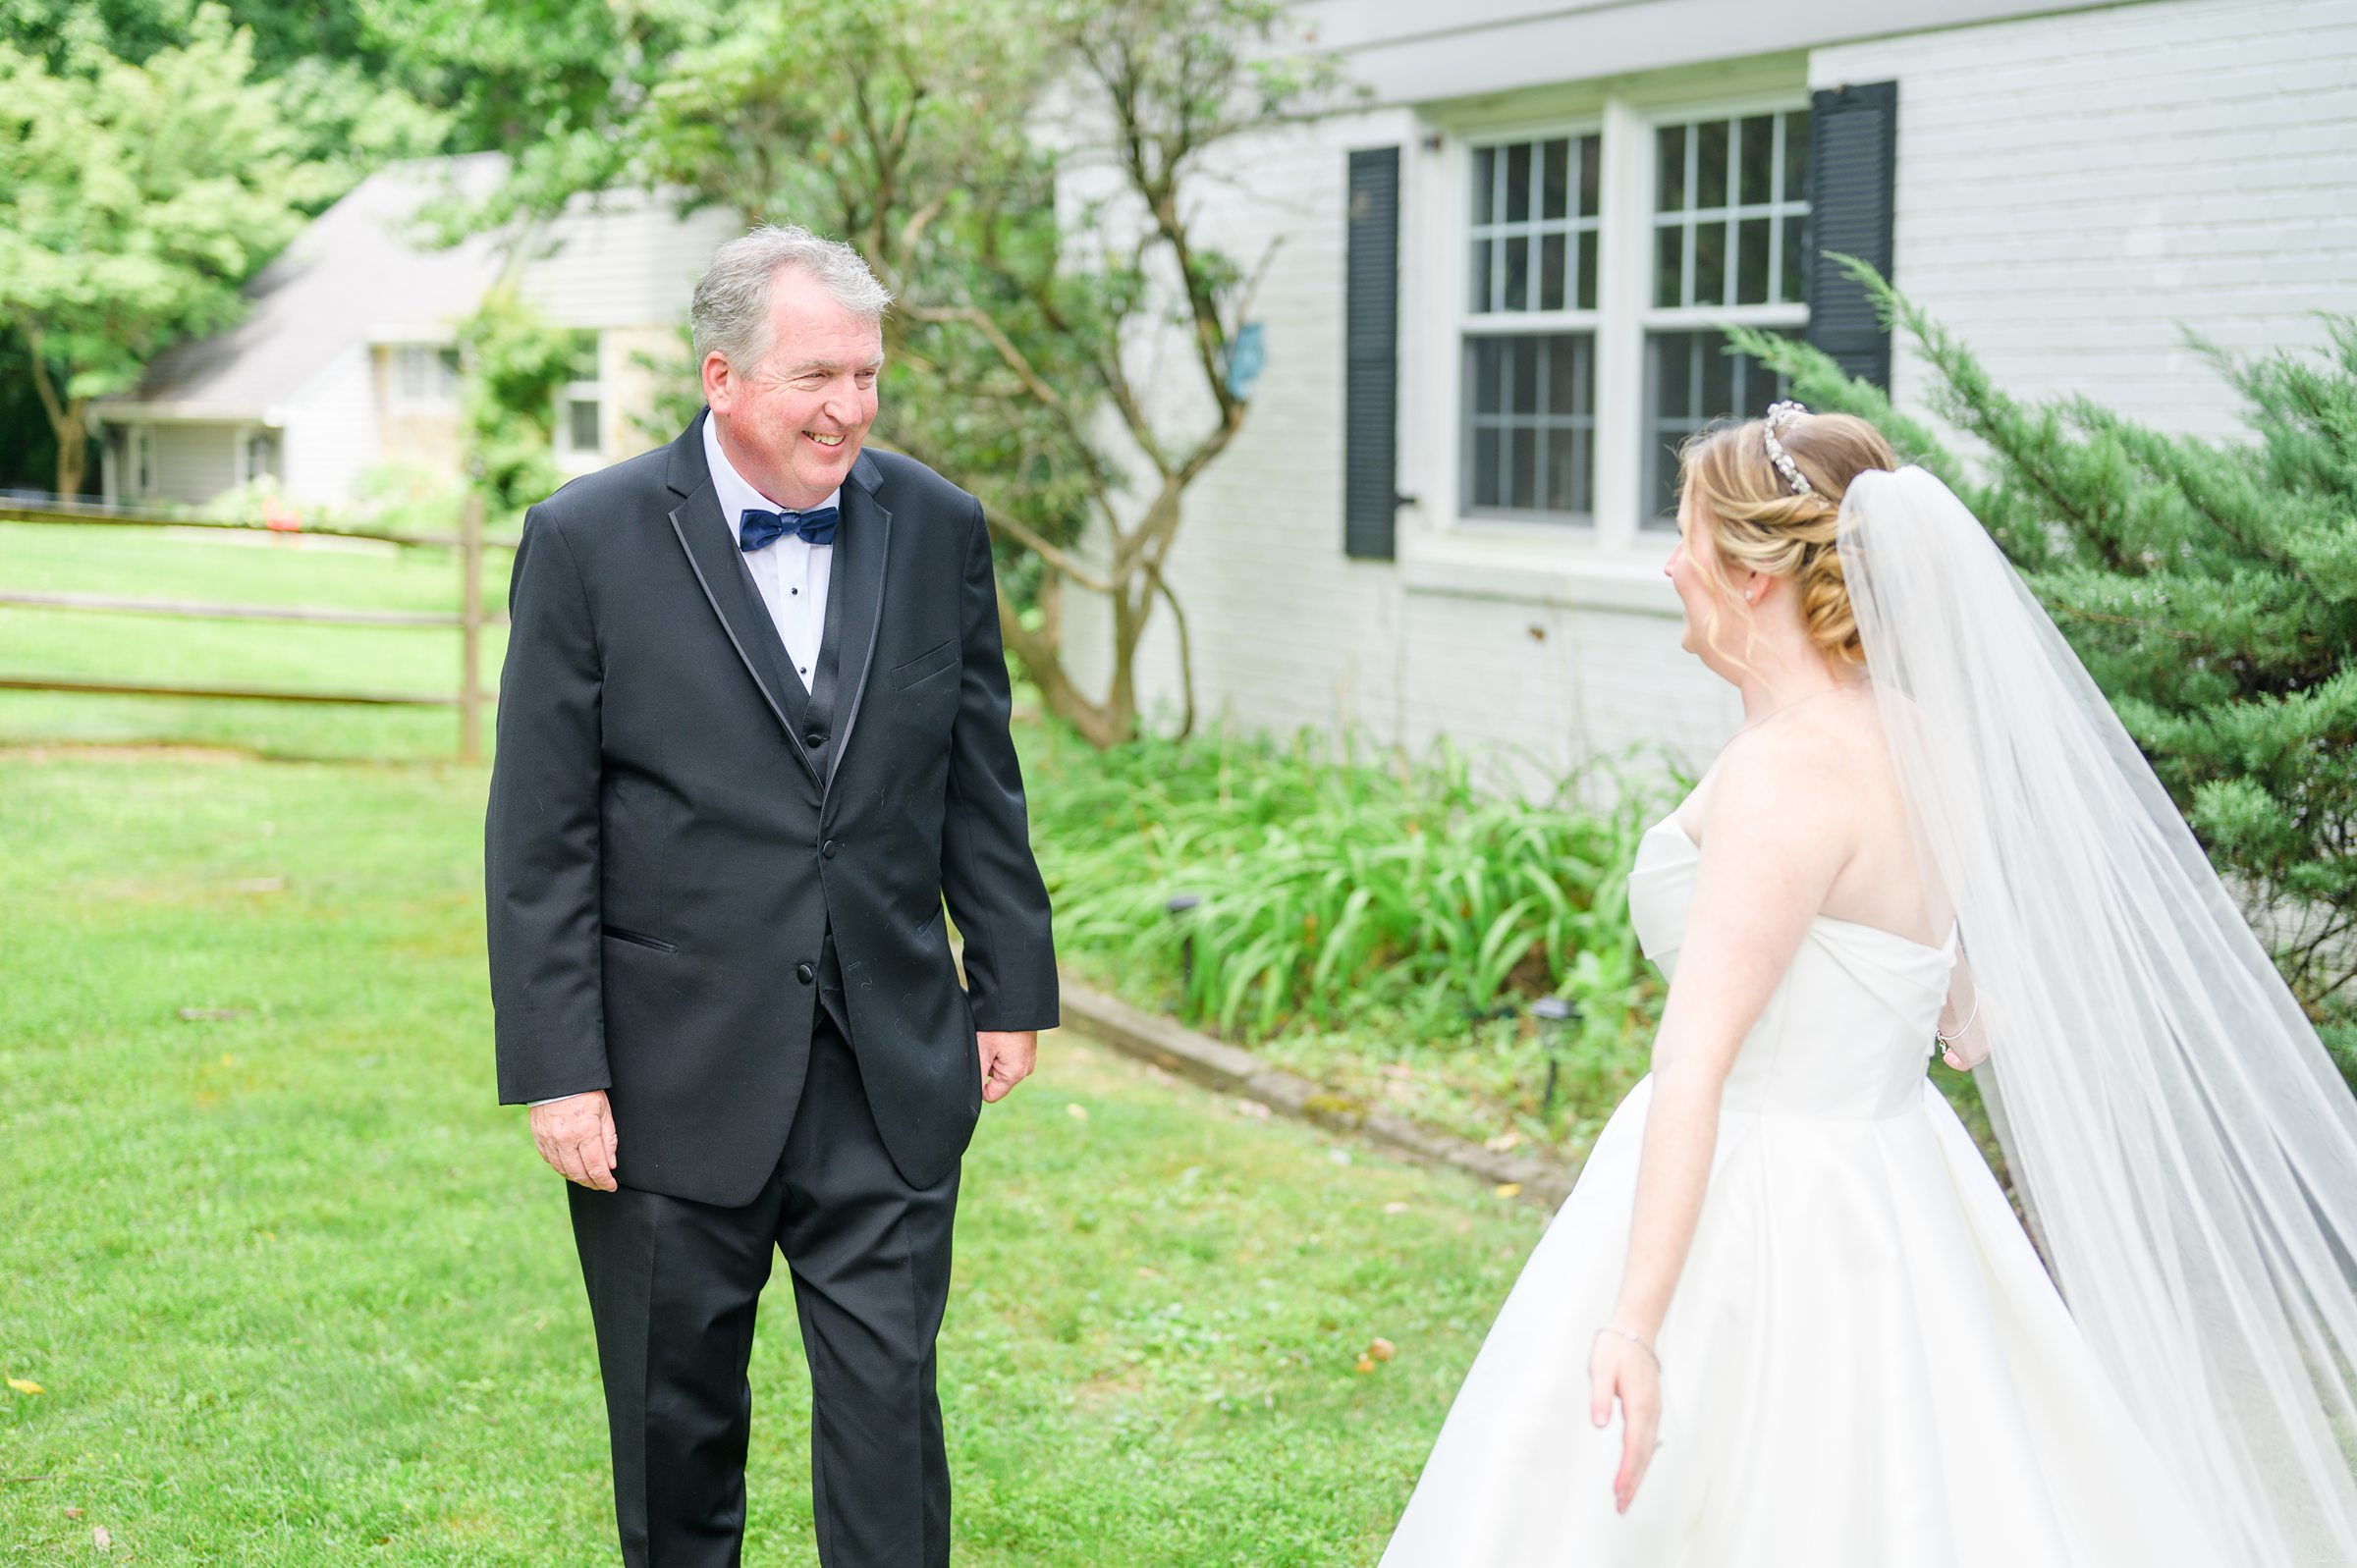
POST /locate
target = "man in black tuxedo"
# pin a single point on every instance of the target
(752, 733)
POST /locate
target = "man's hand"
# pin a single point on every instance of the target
(1008, 1057)
(575, 1136)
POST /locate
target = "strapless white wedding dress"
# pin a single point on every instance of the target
(1864, 1366)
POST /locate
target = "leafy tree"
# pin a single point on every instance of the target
(132, 30)
(931, 134)
(135, 199)
(552, 83)
(333, 70)
(515, 365)
(1165, 85)
(677, 393)
(2209, 585)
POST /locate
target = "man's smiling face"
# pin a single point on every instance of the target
(792, 423)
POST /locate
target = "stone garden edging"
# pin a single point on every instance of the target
(1167, 1044)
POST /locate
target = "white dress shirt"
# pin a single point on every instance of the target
(792, 575)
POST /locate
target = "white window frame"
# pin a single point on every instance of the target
(441, 391)
(568, 454)
(1470, 323)
(1610, 557)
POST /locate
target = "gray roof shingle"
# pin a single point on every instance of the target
(357, 271)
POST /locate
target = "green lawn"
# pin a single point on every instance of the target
(297, 1292)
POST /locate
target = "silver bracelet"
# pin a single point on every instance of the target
(1651, 1354)
(1950, 1039)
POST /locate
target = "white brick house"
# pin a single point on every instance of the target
(2071, 184)
(347, 358)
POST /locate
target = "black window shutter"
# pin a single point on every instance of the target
(1371, 369)
(1854, 156)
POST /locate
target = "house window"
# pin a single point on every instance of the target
(581, 404)
(1730, 233)
(1530, 340)
(142, 459)
(259, 456)
(424, 375)
(580, 423)
(1601, 262)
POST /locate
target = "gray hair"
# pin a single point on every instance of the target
(730, 314)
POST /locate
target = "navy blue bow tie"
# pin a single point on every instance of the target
(758, 530)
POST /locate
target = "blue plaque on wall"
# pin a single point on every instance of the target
(1245, 356)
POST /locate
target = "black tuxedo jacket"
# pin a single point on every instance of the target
(676, 863)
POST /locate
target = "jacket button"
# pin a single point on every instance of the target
(816, 737)
(804, 973)
(828, 849)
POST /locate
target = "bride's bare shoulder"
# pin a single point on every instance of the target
(1789, 778)
(1830, 754)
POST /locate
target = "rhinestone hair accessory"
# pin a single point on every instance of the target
(1780, 415)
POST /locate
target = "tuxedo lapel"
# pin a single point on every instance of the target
(862, 548)
(704, 533)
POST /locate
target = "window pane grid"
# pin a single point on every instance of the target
(1730, 209)
(423, 373)
(1692, 383)
(1536, 215)
(1532, 424)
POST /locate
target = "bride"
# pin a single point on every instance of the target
(1788, 1316)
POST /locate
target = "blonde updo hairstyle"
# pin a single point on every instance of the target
(1750, 519)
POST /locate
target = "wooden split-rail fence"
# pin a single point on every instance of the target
(471, 699)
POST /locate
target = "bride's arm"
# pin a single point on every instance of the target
(1774, 836)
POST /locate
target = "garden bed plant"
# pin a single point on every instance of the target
(1409, 932)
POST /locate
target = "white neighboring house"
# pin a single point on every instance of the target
(1499, 290)
(347, 358)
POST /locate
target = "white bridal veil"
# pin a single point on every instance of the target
(2184, 1144)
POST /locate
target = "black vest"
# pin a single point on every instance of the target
(811, 707)
(811, 710)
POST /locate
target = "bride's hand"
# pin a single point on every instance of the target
(1623, 1368)
(1963, 1039)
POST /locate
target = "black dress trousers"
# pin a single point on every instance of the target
(673, 1288)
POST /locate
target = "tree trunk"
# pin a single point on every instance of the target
(65, 420)
(72, 449)
(1101, 723)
